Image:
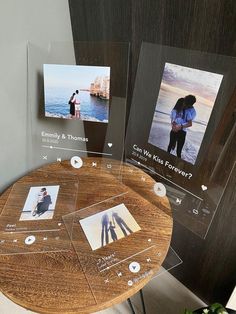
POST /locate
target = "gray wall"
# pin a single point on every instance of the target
(38, 22)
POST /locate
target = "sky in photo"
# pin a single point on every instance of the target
(72, 76)
(196, 82)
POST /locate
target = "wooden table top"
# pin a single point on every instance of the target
(71, 281)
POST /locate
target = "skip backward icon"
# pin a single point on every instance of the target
(178, 201)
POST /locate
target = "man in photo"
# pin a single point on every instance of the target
(104, 233)
(72, 106)
(182, 117)
(76, 102)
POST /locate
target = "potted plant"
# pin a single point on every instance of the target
(215, 308)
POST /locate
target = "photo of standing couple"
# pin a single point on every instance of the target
(74, 103)
(77, 92)
(182, 116)
(109, 226)
(183, 109)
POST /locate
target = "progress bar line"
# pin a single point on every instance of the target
(76, 150)
(139, 163)
(26, 231)
(109, 267)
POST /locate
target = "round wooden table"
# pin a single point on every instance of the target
(69, 281)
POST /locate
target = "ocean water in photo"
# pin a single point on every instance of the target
(92, 108)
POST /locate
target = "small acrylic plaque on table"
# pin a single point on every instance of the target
(31, 219)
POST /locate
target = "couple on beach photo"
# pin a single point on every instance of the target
(182, 116)
(77, 92)
(74, 103)
(180, 88)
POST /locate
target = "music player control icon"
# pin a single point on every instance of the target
(159, 189)
(178, 201)
(76, 162)
(134, 267)
(30, 240)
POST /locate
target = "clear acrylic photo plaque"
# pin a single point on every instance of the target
(119, 241)
(181, 129)
(31, 218)
(66, 125)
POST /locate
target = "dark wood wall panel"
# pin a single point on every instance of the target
(206, 25)
(101, 20)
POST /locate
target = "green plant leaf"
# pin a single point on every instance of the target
(215, 307)
(221, 311)
(187, 312)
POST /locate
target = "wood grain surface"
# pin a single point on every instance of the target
(68, 281)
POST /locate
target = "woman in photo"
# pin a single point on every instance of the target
(77, 104)
(176, 116)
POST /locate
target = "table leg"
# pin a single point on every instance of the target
(131, 305)
(142, 299)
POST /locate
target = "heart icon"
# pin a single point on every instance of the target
(109, 144)
(204, 188)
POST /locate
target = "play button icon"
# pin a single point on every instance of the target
(134, 267)
(30, 240)
(159, 189)
(76, 162)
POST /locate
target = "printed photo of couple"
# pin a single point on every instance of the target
(109, 226)
(40, 203)
(183, 109)
(77, 92)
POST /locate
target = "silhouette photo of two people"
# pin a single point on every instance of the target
(108, 227)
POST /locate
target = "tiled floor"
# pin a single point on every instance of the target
(163, 295)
